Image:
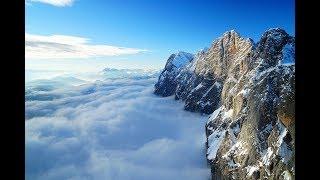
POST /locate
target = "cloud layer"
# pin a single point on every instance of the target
(64, 47)
(111, 129)
(59, 3)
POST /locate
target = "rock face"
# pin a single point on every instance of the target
(249, 91)
(200, 82)
(167, 83)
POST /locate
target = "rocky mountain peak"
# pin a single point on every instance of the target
(274, 37)
(231, 34)
(177, 60)
(230, 38)
(249, 91)
(226, 51)
(275, 31)
(270, 46)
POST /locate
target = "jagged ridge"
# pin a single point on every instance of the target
(249, 89)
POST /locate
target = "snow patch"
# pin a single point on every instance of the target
(244, 92)
(227, 114)
(181, 59)
(198, 87)
(214, 115)
(286, 175)
(232, 79)
(217, 84)
(283, 149)
(288, 54)
(237, 149)
(214, 141)
(266, 158)
(259, 74)
(251, 170)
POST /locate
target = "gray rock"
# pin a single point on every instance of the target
(249, 91)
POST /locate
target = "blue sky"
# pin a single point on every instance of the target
(157, 28)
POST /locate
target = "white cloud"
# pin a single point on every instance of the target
(59, 3)
(64, 47)
(111, 129)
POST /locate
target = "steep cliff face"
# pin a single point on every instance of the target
(251, 136)
(249, 89)
(200, 82)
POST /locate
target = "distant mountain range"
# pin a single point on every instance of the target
(128, 73)
(249, 91)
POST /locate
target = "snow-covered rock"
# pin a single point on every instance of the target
(200, 81)
(249, 89)
(167, 83)
(262, 104)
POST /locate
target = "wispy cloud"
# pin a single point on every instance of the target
(59, 3)
(63, 47)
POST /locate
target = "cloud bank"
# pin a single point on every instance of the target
(111, 129)
(64, 47)
(59, 3)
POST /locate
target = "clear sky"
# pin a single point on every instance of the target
(150, 30)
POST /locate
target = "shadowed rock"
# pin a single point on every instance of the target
(250, 91)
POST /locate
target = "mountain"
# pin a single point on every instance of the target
(249, 91)
(112, 73)
(167, 83)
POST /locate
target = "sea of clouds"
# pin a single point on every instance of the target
(113, 128)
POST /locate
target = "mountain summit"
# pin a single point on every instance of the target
(248, 90)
